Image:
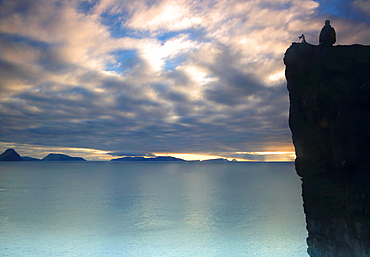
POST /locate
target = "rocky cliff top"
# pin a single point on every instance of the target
(329, 90)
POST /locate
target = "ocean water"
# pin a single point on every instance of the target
(151, 209)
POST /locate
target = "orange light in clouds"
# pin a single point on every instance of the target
(267, 153)
(273, 156)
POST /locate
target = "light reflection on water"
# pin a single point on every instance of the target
(151, 209)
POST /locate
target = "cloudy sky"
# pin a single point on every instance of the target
(108, 78)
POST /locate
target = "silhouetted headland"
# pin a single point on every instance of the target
(329, 91)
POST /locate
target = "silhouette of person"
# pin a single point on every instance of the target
(327, 35)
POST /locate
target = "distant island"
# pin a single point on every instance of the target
(219, 160)
(152, 159)
(12, 155)
(29, 159)
(166, 159)
(61, 157)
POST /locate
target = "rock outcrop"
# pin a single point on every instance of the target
(10, 155)
(329, 90)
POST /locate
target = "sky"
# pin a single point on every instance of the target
(191, 79)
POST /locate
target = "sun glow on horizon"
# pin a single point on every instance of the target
(238, 156)
(90, 154)
(266, 153)
(191, 156)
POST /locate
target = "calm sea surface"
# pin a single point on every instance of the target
(150, 209)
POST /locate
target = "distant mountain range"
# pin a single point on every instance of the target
(12, 155)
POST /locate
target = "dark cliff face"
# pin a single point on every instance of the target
(329, 90)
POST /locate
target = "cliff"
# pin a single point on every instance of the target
(329, 90)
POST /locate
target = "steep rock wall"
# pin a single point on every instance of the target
(329, 90)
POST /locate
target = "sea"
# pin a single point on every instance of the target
(139, 209)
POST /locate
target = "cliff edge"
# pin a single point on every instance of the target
(329, 91)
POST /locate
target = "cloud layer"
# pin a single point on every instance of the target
(156, 76)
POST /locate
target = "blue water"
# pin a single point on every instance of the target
(151, 209)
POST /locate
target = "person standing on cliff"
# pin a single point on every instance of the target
(327, 35)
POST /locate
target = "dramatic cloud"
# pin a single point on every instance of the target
(132, 78)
